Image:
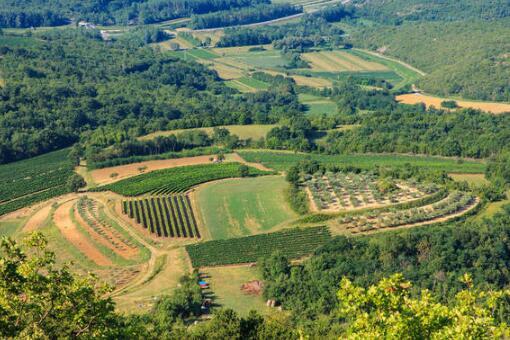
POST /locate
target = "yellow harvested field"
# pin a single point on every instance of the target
(429, 101)
(312, 81)
(104, 176)
(340, 61)
(226, 72)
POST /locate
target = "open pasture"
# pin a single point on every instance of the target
(281, 161)
(294, 243)
(242, 207)
(473, 179)
(431, 101)
(168, 216)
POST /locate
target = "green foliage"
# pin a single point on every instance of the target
(75, 182)
(498, 169)
(283, 161)
(298, 200)
(449, 104)
(473, 66)
(40, 300)
(243, 16)
(176, 180)
(388, 310)
(295, 243)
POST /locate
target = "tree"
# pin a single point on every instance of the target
(40, 300)
(220, 157)
(75, 182)
(244, 171)
(387, 310)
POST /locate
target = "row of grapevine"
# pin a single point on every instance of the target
(294, 243)
(168, 216)
(176, 180)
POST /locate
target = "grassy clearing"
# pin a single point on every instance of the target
(429, 101)
(226, 284)
(10, 228)
(283, 160)
(473, 179)
(408, 74)
(255, 131)
(493, 208)
(318, 105)
(242, 207)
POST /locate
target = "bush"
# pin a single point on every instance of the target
(75, 182)
(449, 104)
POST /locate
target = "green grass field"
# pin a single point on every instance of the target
(283, 160)
(316, 105)
(226, 285)
(242, 207)
(255, 131)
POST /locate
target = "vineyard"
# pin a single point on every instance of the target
(456, 202)
(33, 180)
(294, 243)
(347, 191)
(177, 180)
(168, 216)
(101, 231)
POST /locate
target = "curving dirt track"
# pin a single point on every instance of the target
(37, 219)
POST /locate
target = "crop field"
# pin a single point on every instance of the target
(33, 180)
(168, 216)
(294, 243)
(340, 61)
(431, 101)
(254, 131)
(456, 203)
(176, 180)
(242, 207)
(316, 105)
(281, 161)
(312, 81)
(247, 84)
(332, 192)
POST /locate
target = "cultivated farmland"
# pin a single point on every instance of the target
(176, 180)
(33, 180)
(331, 192)
(340, 61)
(168, 216)
(455, 204)
(294, 243)
(429, 101)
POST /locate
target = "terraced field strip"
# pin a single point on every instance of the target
(165, 216)
(294, 243)
(87, 217)
(37, 219)
(340, 61)
(64, 223)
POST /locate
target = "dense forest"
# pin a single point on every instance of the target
(475, 66)
(243, 16)
(396, 11)
(312, 30)
(21, 13)
(433, 258)
(72, 85)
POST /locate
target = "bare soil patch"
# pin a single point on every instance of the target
(37, 219)
(63, 221)
(252, 287)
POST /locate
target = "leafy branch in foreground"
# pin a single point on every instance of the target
(39, 300)
(387, 310)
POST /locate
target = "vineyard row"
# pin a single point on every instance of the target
(168, 216)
